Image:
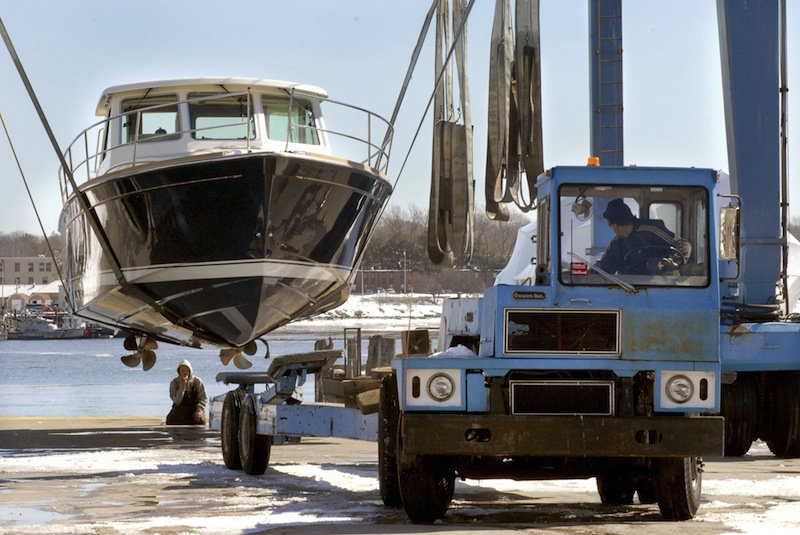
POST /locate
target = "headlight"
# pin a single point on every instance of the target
(440, 387)
(679, 389)
(434, 389)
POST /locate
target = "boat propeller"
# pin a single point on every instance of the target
(143, 352)
(235, 354)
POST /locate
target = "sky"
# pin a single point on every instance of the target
(359, 50)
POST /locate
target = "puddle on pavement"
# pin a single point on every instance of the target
(27, 516)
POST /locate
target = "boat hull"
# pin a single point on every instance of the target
(220, 250)
(59, 334)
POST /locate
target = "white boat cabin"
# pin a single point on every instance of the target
(158, 122)
(167, 119)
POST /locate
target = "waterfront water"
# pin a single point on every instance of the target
(73, 378)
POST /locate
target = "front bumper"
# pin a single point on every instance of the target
(563, 436)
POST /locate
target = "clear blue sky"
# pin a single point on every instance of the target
(359, 51)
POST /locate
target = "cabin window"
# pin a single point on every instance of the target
(297, 123)
(217, 116)
(153, 118)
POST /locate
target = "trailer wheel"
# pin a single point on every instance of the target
(426, 485)
(740, 409)
(615, 489)
(230, 428)
(388, 422)
(646, 490)
(254, 449)
(678, 484)
(785, 441)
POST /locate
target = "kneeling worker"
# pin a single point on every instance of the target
(188, 394)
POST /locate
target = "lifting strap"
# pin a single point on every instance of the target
(515, 119)
(450, 218)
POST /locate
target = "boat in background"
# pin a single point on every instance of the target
(39, 328)
(215, 210)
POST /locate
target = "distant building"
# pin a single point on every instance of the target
(27, 270)
(26, 281)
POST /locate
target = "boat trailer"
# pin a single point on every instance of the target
(251, 422)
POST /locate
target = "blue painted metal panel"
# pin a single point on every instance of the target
(477, 393)
(656, 176)
(658, 325)
(749, 35)
(305, 420)
(316, 420)
(498, 367)
(760, 347)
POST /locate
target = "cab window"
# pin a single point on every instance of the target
(640, 235)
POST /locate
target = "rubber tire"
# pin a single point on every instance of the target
(230, 428)
(426, 485)
(785, 441)
(615, 489)
(254, 449)
(388, 431)
(679, 484)
(646, 491)
(740, 409)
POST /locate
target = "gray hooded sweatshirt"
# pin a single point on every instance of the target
(195, 384)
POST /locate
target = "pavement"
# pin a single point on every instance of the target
(95, 433)
(114, 476)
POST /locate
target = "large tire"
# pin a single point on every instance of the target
(646, 490)
(426, 485)
(785, 436)
(615, 489)
(254, 449)
(740, 409)
(230, 428)
(388, 430)
(678, 483)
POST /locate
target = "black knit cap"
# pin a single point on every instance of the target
(618, 213)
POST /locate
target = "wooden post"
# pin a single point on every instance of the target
(325, 373)
(352, 352)
(416, 342)
(380, 352)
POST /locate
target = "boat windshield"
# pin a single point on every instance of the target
(215, 116)
(150, 118)
(278, 116)
(630, 235)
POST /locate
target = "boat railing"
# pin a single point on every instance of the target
(366, 138)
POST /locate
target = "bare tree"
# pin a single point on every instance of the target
(401, 234)
(24, 244)
(430, 283)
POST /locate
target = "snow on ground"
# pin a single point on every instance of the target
(384, 310)
(134, 491)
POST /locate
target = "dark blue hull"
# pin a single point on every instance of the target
(220, 250)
